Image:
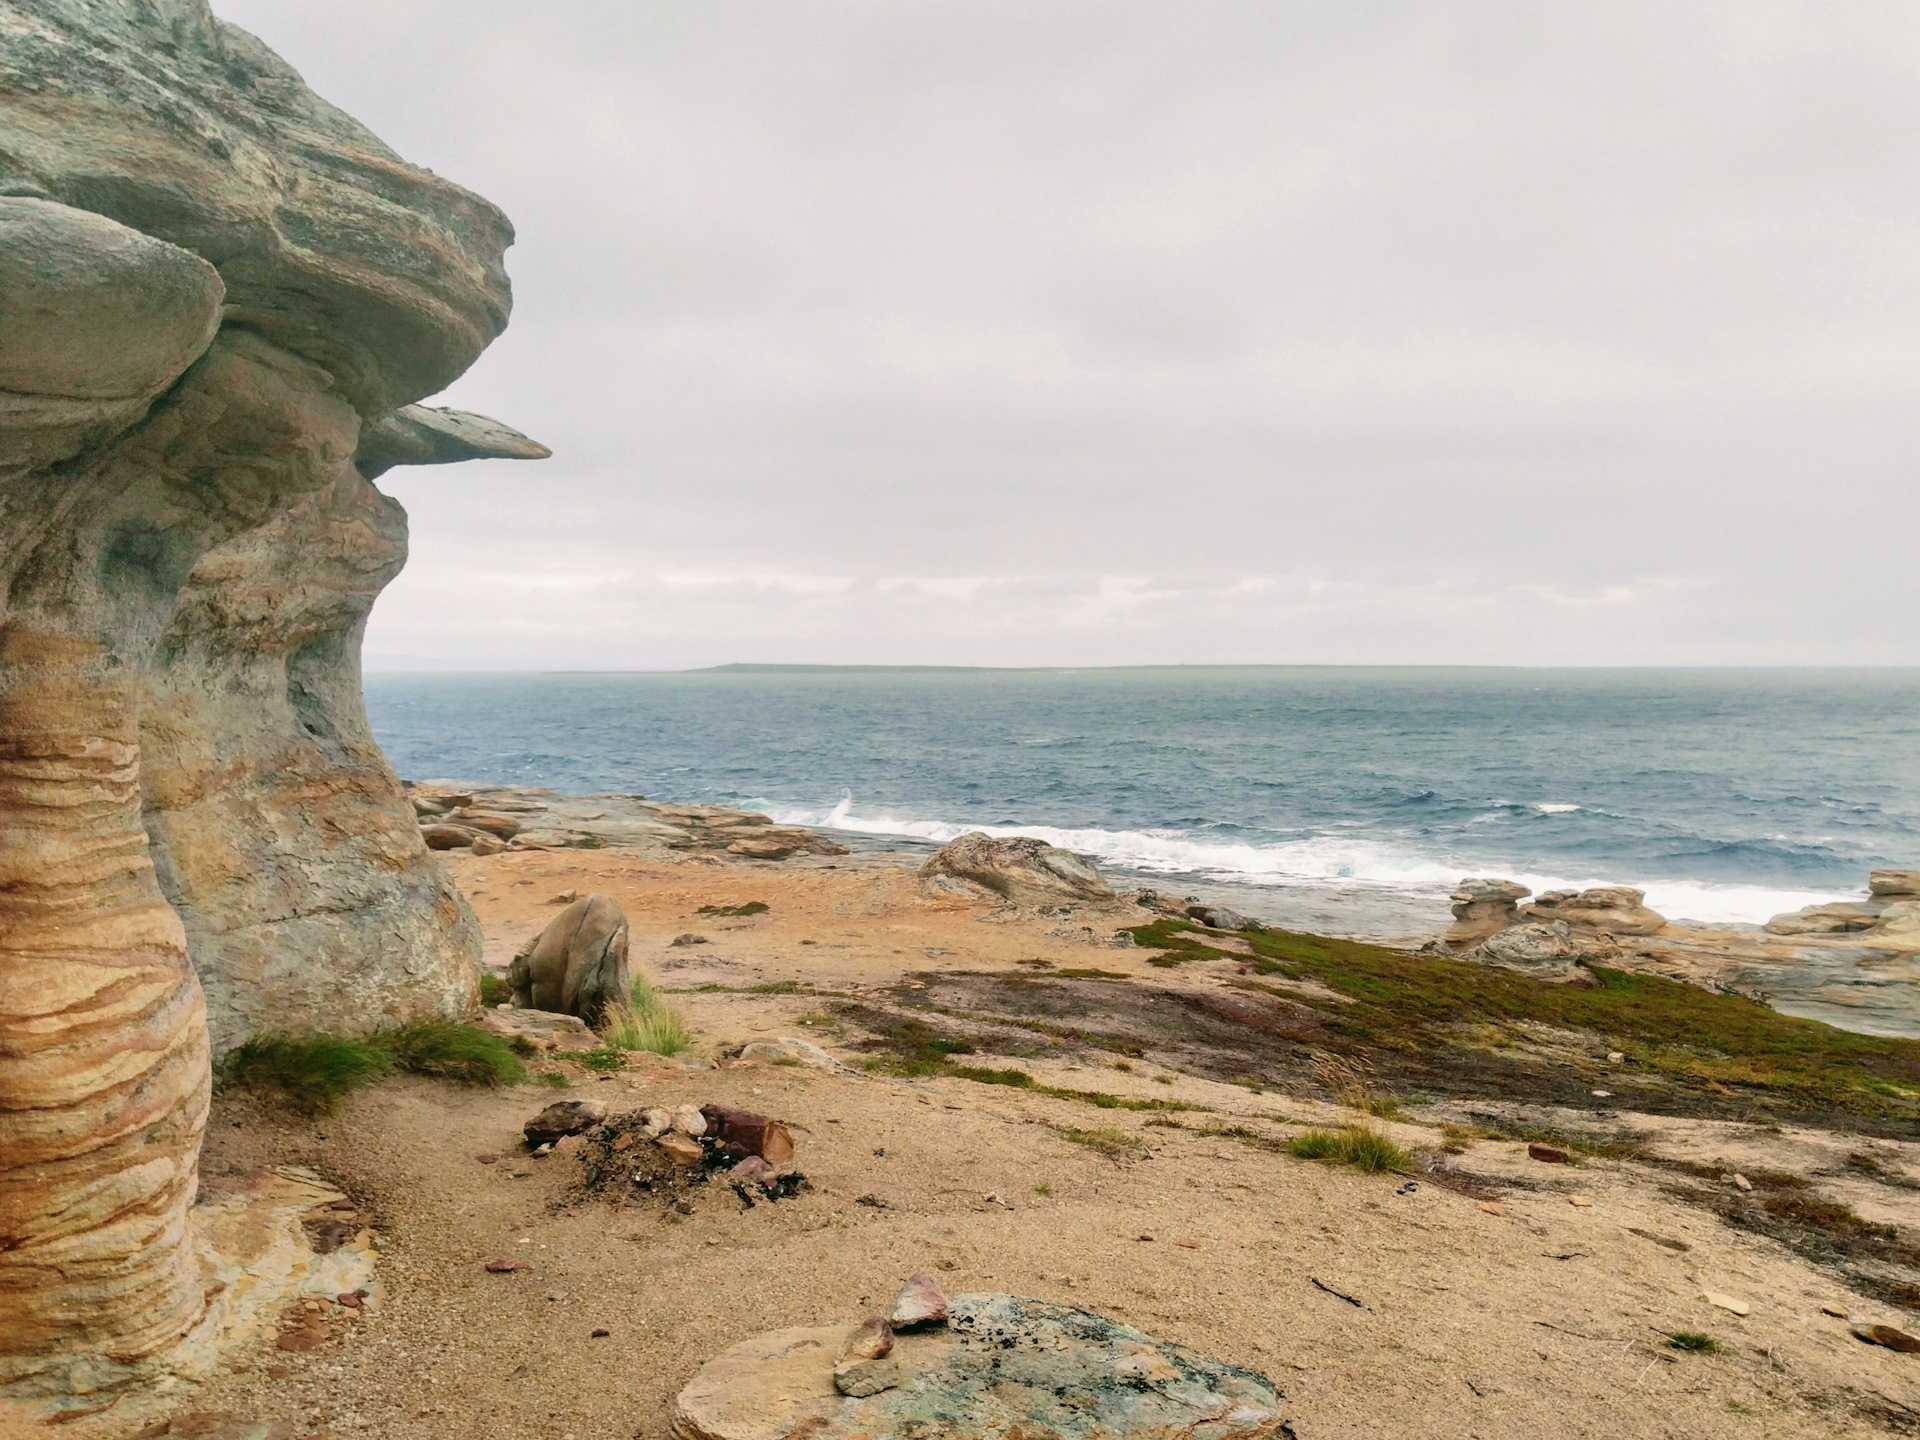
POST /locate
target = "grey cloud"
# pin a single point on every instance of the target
(1523, 333)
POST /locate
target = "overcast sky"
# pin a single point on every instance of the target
(1112, 333)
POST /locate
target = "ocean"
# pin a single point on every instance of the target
(1342, 800)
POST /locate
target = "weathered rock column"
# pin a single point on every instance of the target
(214, 287)
(103, 1042)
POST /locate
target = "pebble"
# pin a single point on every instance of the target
(1614, 1057)
(1603, 1094)
(1492, 1208)
(1838, 1312)
(1726, 1302)
(1585, 1202)
(1741, 1182)
(600, 1332)
(1547, 1154)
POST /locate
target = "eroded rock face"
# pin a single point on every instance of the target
(1614, 909)
(1482, 908)
(1017, 869)
(211, 283)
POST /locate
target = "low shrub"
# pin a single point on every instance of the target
(1692, 1340)
(494, 991)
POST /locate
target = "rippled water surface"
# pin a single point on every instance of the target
(1356, 794)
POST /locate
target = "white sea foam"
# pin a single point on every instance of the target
(1322, 861)
(1555, 809)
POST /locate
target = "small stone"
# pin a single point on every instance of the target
(1726, 1302)
(1740, 1182)
(1888, 1336)
(752, 1169)
(1143, 1237)
(871, 1339)
(920, 1302)
(681, 1149)
(866, 1377)
(351, 1301)
(655, 1121)
(1603, 1094)
(1492, 1207)
(1614, 1057)
(1547, 1154)
(621, 1142)
(1585, 1202)
(557, 1295)
(563, 1117)
(567, 1144)
(505, 1267)
(546, 1149)
(1838, 1312)
(600, 1332)
(688, 1120)
(688, 939)
(279, 1372)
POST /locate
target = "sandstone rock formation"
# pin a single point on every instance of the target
(1004, 1366)
(1612, 909)
(1017, 869)
(1482, 908)
(211, 284)
(578, 964)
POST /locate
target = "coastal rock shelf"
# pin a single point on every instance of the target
(220, 298)
(489, 818)
(1854, 964)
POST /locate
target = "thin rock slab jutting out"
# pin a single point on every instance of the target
(1004, 1366)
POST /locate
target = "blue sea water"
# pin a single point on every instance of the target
(1349, 799)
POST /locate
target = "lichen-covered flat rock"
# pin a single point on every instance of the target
(1005, 1368)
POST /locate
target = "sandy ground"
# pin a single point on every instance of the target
(1543, 1319)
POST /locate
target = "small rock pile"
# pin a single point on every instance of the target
(663, 1151)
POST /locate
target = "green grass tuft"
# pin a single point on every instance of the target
(317, 1071)
(314, 1071)
(556, 1078)
(1109, 1140)
(658, 1028)
(452, 1051)
(494, 991)
(1692, 1340)
(1355, 1145)
(605, 1058)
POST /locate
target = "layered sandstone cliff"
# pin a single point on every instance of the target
(216, 293)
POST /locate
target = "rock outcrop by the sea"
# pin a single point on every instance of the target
(1612, 909)
(463, 818)
(578, 964)
(212, 285)
(1016, 869)
(1483, 907)
(1003, 1366)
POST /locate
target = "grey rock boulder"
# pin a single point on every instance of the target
(1017, 869)
(1221, 917)
(1546, 952)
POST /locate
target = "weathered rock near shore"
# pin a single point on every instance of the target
(212, 283)
(1017, 869)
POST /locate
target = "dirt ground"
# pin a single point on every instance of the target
(1481, 1301)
